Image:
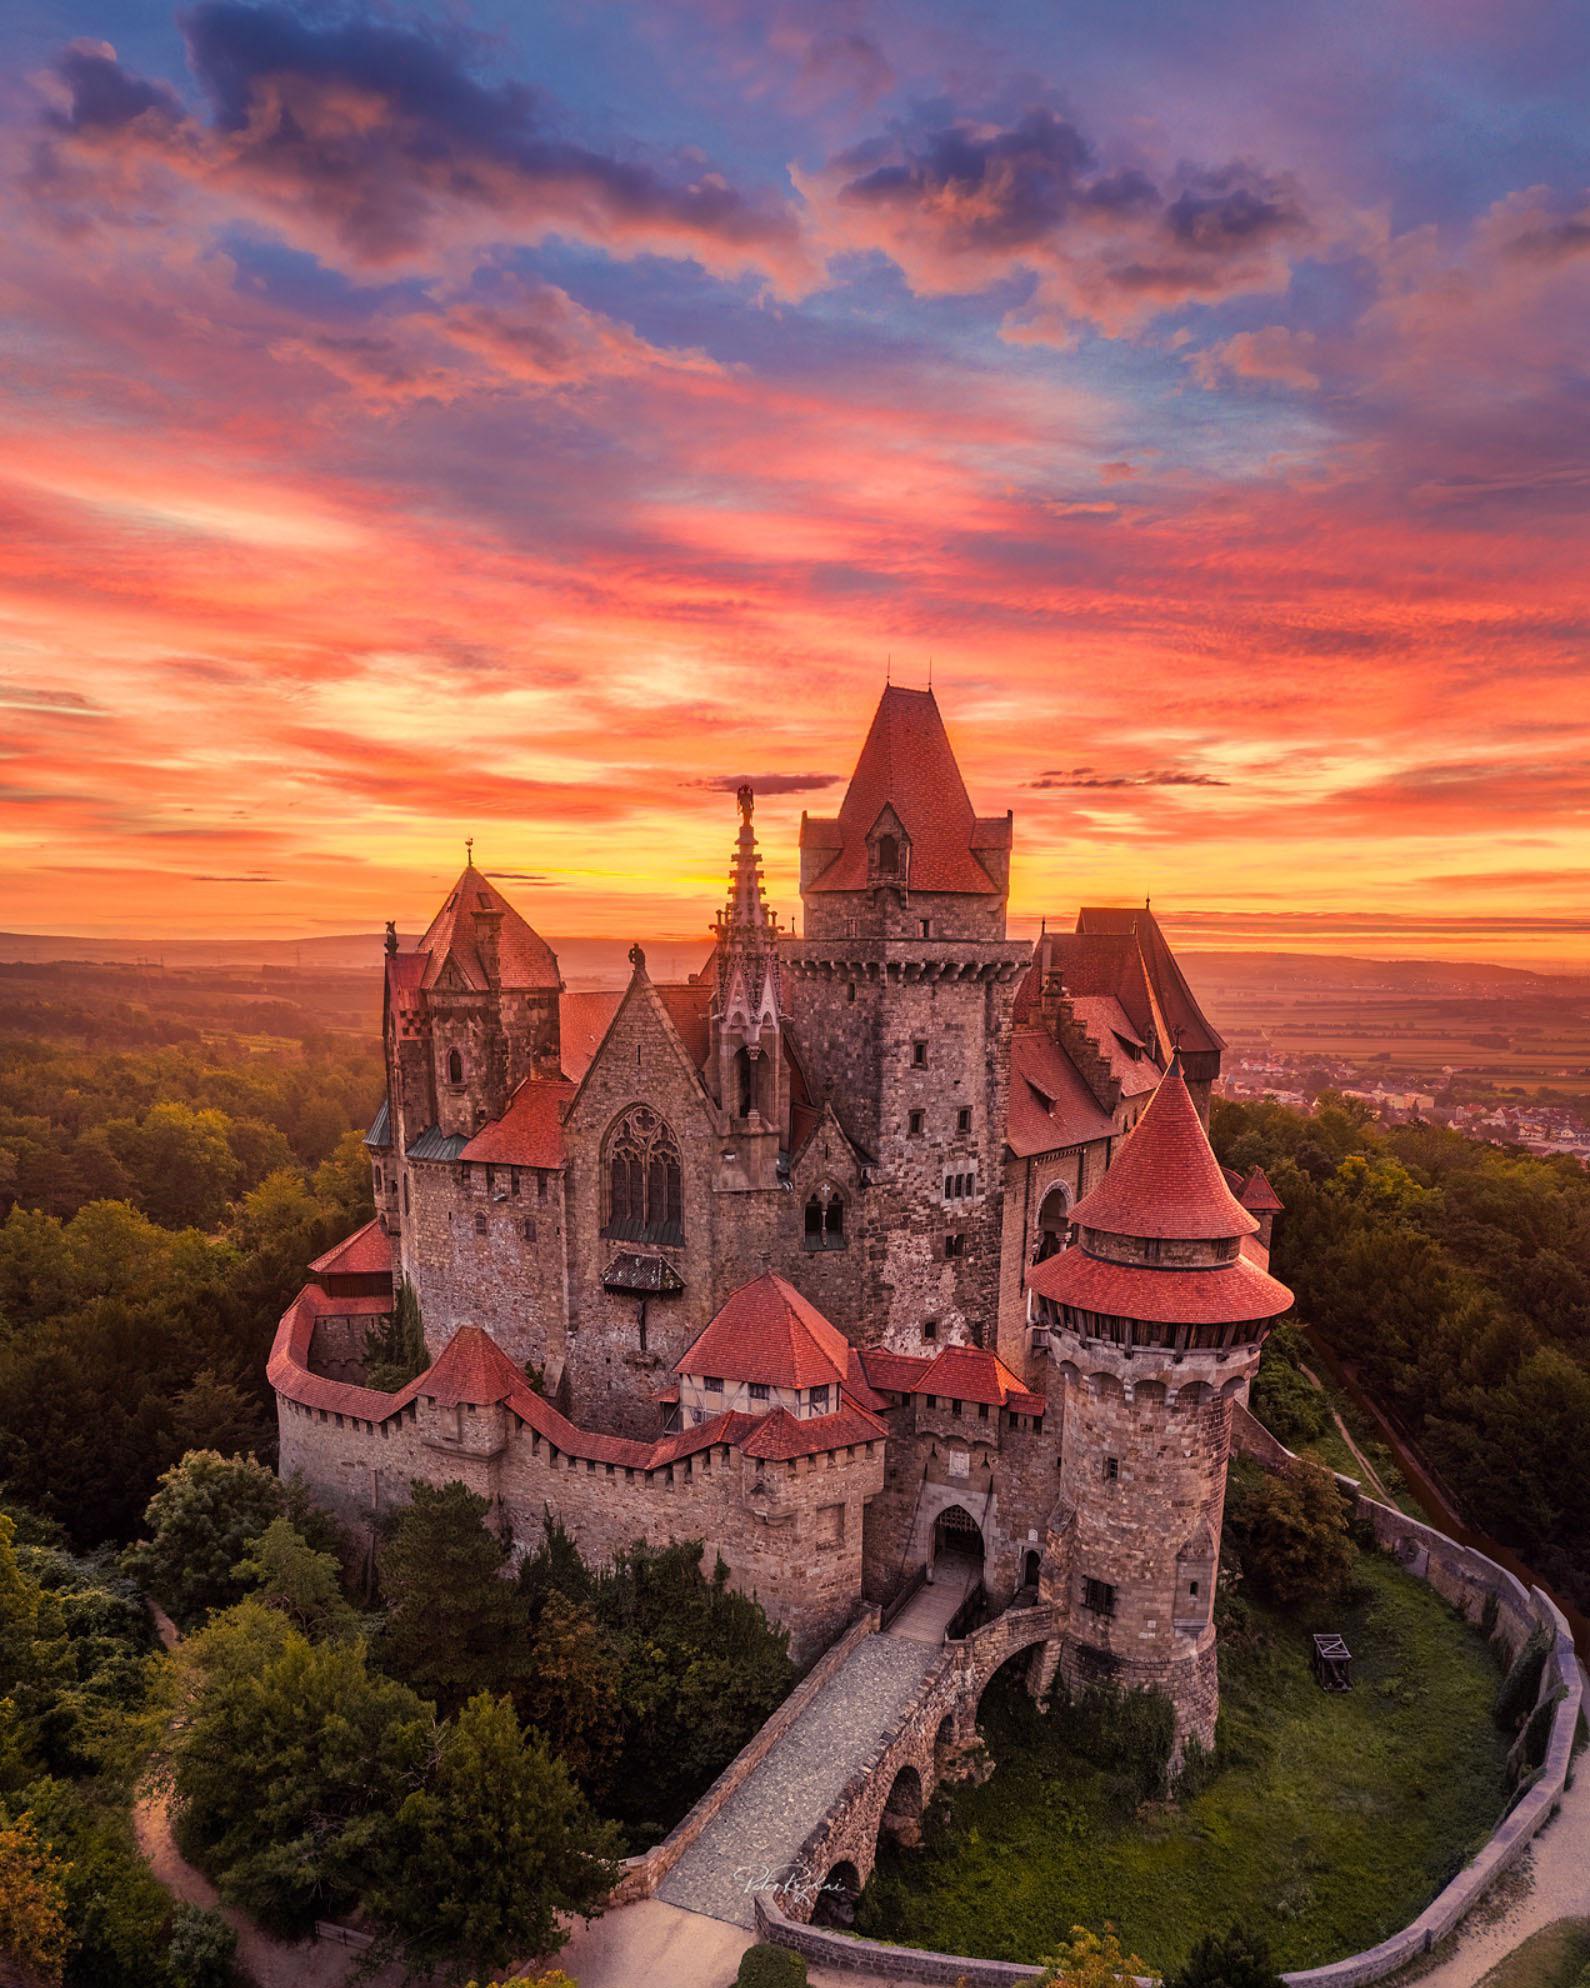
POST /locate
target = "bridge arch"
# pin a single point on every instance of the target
(836, 1898)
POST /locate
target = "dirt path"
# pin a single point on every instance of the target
(268, 1962)
(1371, 1475)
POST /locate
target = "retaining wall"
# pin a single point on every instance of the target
(1462, 1576)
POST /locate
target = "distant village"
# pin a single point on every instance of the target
(1555, 1125)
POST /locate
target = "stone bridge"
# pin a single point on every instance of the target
(878, 1726)
(936, 1736)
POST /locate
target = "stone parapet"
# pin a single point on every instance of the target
(643, 1874)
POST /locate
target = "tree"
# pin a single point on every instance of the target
(1292, 1531)
(201, 1520)
(182, 1163)
(572, 1693)
(1093, 1960)
(395, 1351)
(201, 1950)
(455, 1625)
(1234, 1959)
(287, 1574)
(288, 1761)
(498, 1844)
(33, 1923)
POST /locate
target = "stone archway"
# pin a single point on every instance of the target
(957, 1542)
(1025, 1662)
(837, 1895)
(902, 1812)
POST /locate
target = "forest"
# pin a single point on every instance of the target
(1453, 1277)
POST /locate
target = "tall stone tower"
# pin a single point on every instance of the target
(747, 1017)
(1155, 1317)
(903, 983)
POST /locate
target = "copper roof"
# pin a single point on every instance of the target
(1165, 1180)
(908, 764)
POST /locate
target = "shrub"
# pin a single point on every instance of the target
(1234, 1959)
(201, 1950)
(770, 1967)
(1292, 1531)
(1517, 1692)
(1130, 1733)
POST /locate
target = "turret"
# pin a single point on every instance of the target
(1154, 1320)
(747, 1020)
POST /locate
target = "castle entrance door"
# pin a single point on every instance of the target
(957, 1544)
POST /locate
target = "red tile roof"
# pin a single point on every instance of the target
(1231, 1294)
(1258, 1196)
(1124, 1051)
(780, 1437)
(583, 1019)
(974, 1373)
(907, 763)
(524, 959)
(473, 1368)
(1175, 998)
(530, 1130)
(689, 1007)
(1049, 1104)
(896, 1372)
(768, 1333)
(1165, 1180)
(366, 1253)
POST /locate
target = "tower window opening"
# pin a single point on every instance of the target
(529, 1230)
(1112, 1469)
(930, 1328)
(963, 1119)
(914, 1123)
(825, 1221)
(1098, 1596)
(955, 1244)
(919, 1053)
(455, 1067)
(480, 1225)
(927, 928)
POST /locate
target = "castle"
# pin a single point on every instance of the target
(888, 1248)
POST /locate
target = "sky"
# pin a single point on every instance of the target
(525, 421)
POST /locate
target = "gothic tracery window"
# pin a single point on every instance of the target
(645, 1199)
(825, 1220)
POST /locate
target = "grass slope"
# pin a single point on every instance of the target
(1558, 1956)
(1334, 1819)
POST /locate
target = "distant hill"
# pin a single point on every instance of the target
(605, 963)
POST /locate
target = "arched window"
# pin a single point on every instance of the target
(1054, 1218)
(645, 1199)
(888, 855)
(455, 1067)
(825, 1220)
(744, 1082)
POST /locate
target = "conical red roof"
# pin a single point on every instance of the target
(1166, 1181)
(524, 959)
(908, 764)
(1258, 1196)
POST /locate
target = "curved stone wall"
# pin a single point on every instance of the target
(1465, 1578)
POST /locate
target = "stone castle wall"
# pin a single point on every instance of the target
(790, 1533)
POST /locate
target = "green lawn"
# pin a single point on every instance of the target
(1334, 1819)
(1557, 1956)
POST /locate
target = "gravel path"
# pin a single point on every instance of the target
(760, 1828)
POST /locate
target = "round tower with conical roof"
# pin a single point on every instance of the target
(1155, 1317)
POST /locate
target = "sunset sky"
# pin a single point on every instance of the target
(528, 420)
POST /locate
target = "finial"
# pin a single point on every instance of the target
(746, 797)
(391, 936)
(888, 670)
(1147, 900)
(930, 672)
(469, 852)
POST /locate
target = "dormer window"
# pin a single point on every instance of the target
(817, 1400)
(888, 856)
